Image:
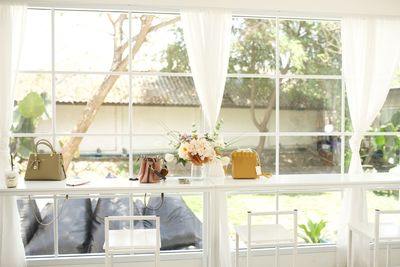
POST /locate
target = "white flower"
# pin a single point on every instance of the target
(183, 151)
(225, 161)
(169, 157)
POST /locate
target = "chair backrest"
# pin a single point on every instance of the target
(251, 214)
(378, 214)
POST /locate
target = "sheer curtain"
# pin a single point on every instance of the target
(12, 18)
(207, 37)
(371, 53)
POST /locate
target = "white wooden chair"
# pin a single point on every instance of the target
(256, 236)
(378, 233)
(131, 240)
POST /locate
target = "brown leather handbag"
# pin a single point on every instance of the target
(45, 166)
(152, 170)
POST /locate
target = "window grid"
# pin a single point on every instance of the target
(131, 117)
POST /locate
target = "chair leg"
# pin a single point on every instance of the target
(277, 255)
(376, 258)
(388, 252)
(349, 248)
(157, 258)
(237, 251)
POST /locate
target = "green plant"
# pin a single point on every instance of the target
(312, 231)
(27, 114)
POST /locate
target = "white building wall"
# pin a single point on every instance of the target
(155, 120)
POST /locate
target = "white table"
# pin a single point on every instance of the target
(284, 184)
(215, 190)
(118, 186)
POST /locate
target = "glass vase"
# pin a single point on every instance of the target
(199, 171)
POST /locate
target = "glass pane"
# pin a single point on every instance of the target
(250, 101)
(164, 48)
(264, 145)
(85, 40)
(95, 156)
(253, 46)
(32, 105)
(21, 148)
(41, 240)
(92, 103)
(379, 153)
(163, 103)
(317, 209)
(383, 200)
(309, 47)
(310, 105)
(388, 119)
(309, 154)
(36, 49)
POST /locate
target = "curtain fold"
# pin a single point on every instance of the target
(12, 20)
(207, 37)
(371, 53)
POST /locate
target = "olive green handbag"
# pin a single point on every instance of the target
(45, 166)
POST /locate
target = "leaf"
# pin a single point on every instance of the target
(32, 106)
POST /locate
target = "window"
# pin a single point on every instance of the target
(106, 86)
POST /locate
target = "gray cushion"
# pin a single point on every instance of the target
(179, 226)
(27, 211)
(73, 229)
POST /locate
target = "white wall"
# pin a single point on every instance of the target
(156, 120)
(291, 7)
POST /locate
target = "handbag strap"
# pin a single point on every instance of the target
(46, 143)
(54, 218)
(151, 208)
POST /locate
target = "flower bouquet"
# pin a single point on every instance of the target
(197, 149)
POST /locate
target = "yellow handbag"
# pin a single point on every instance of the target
(246, 164)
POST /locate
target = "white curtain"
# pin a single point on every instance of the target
(12, 20)
(207, 35)
(371, 53)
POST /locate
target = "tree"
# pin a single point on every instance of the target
(306, 47)
(119, 64)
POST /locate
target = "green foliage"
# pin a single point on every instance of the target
(32, 106)
(312, 231)
(27, 114)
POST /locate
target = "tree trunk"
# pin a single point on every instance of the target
(94, 104)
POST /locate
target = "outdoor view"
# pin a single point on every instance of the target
(107, 87)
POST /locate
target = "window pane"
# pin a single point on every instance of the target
(383, 200)
(310, 105)
(264, 145)
(99, 103)
(309, 154)
(378, 153)
(388, 119)
(309, 47)
(36, 49)
(250, 101)
(313, 208)
(164, 48)
(32, 106)
(85, 40)
(163, 103)
(95, 157)
(253, 46)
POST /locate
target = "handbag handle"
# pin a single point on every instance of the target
(46, 143)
